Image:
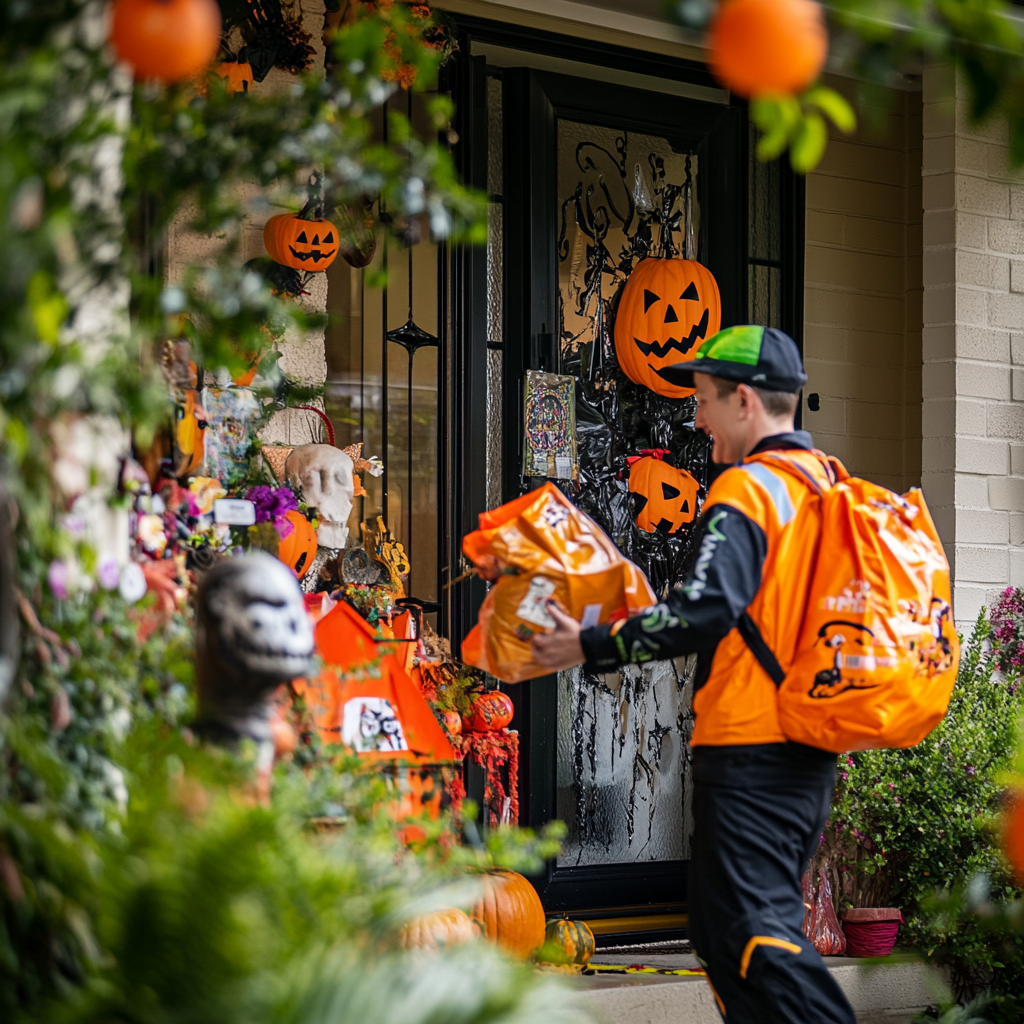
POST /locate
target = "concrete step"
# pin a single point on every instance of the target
(884, 994)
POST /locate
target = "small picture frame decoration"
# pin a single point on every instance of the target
(549, 418)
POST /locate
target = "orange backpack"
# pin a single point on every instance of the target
(877, 654)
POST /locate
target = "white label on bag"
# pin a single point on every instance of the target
(234, 511)
(591, 616)
(533, 607)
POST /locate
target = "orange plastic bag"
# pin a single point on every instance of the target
(537, 547)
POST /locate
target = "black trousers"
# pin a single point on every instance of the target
(758, 815)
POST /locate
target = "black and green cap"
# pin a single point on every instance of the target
(762, 357)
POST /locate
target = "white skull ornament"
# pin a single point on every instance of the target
(324, 474)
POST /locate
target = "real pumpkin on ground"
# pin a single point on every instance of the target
(510, 912)
(667, 308)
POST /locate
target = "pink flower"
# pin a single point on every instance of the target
(58, 576)
(108, 572)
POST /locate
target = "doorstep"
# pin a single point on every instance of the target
(883, 994)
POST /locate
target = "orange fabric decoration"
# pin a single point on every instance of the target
(761, 47)
(542, 547)
(667, 309)
(238, 78)
(169, 40)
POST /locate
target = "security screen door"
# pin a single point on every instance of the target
(597, 177)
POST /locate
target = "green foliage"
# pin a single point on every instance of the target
(796, 123)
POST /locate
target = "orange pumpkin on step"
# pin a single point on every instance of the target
(668, 307)
(490, 711)
(510, 913)
(300, 244)
(169, 40)
(440, 930)
(298, 549)
(761, 47)
(666, 497)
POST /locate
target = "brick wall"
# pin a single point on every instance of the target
(862, 294)
(973, 419)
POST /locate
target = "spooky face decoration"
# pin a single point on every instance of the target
(666, 497)
(668, 307)
(298, 549)
(300, 244)
(325, 475)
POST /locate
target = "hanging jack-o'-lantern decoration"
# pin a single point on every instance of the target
(169, 40)
(666, 496)
(309, 245)
(761, 47)
(237, 76)
(668, 307)
(298, 549)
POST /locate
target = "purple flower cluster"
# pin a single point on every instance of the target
(272, 505)
(1007, 619)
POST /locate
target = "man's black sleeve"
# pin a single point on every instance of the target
(694, 618)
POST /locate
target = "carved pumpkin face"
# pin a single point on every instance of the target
(668, 307)
(298, 549)
(301, 244)
(666, 496)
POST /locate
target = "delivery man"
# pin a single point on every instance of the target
(759, 802)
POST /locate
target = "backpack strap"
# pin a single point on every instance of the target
(753, 639)
(835, 471)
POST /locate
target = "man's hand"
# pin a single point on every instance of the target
(560, 649)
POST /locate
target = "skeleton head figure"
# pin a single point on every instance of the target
(325, 475)
(252, 634)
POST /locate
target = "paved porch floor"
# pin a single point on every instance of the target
(886, 994)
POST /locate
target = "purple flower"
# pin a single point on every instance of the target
(272, 505)
(970, 770)
(58, 576)
(108, 573)
(844, 776)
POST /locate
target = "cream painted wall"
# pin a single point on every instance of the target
(862, 294)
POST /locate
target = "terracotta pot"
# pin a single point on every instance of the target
(871, 931)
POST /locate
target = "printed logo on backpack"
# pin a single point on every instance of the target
(877, 653)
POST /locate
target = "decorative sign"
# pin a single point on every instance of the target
(234, 512)
(549, 443)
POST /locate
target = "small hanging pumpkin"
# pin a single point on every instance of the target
(490, 711)
(668, 307)
(169, 40)
(510, 913)
(761, 47)
(238, 76)
(567, 942)
(1013, 834)
(298, 549)
(440, 930)
(666, 497)
(300, 244)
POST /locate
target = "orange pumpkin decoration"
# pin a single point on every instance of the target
(666, 496)
(169, 40)
(768, 47)
(237, 76)
(567, 942)
(453, 723)
(440, 930)
(300, 244)
(490, 711)
(668, 307)
(510, 913)
(298, 549)
(1013, 834)
(190, 436)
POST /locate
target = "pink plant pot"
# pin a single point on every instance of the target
(871, 931)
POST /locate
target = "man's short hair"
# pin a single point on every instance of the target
(776, 403)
